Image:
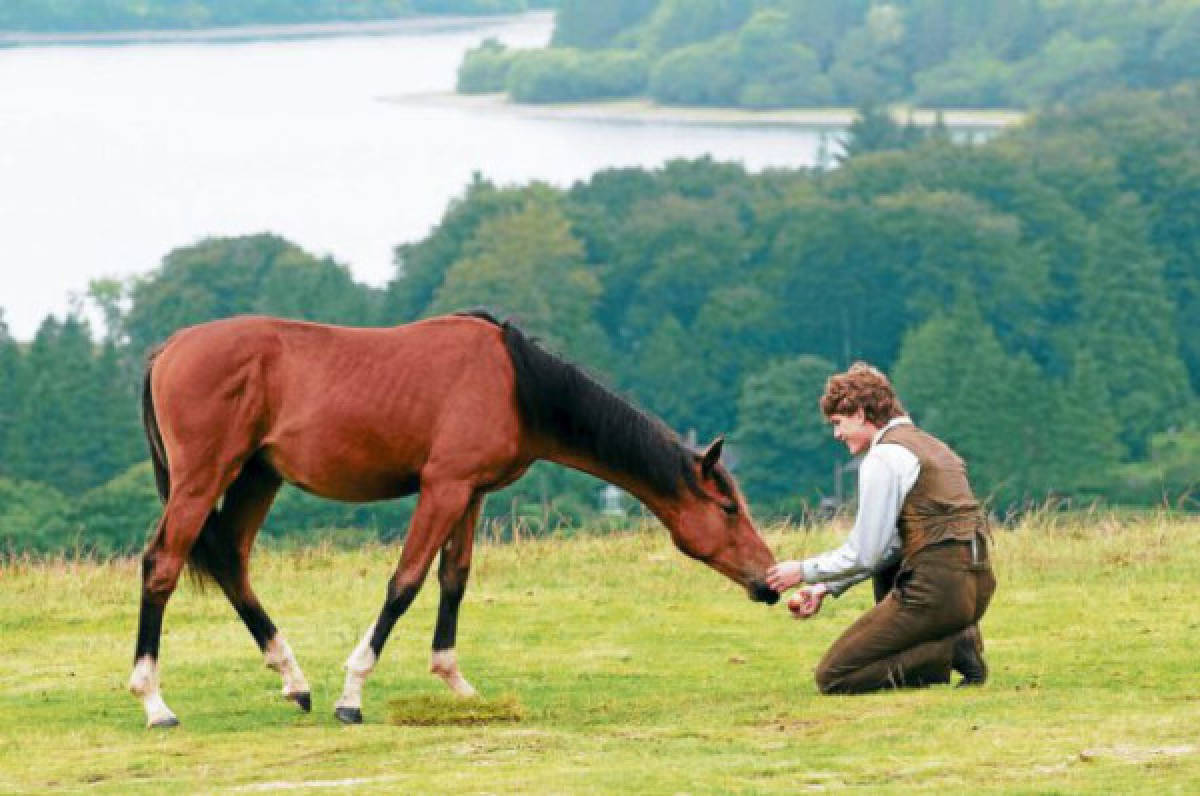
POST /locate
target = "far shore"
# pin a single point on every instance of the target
(416, 23)
(643, 110)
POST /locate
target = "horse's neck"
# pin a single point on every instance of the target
(665, 507)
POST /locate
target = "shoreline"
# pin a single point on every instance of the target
(416, 23)
(635, 111)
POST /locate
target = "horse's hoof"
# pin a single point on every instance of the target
(303, 699)
(348, 715)
(163, 723)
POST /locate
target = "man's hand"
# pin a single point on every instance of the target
(785, 575)
(806, 602)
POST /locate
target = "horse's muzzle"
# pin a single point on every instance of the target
(762, 593)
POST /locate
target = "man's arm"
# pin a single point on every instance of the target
(885, 476)
(839, 587)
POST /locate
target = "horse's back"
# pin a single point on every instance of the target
(344, 411)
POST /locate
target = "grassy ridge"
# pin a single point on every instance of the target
(634, 669)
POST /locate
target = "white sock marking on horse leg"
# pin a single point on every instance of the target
(143, 683)
(445, 665)
(358, 666)
(280, 658)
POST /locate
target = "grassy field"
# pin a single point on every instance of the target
(631, 669)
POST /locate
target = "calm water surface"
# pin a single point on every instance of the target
(110, 156)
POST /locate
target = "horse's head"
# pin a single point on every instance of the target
(713, 525)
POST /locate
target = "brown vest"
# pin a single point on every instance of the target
(940, 506)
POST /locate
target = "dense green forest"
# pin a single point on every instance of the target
(1036, 299)
(813, 53)
(42, 16)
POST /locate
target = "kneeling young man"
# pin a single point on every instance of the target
(920, 533)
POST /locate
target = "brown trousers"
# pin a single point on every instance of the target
(908, 638)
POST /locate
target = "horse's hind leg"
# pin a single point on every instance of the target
(243, 510)
(453, 569)
(185, 516)
(441, 506)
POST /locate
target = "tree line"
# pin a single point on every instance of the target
(813, 53)
(1036, 299)
(42, 16)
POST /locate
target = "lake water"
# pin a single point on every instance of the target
(112, 155)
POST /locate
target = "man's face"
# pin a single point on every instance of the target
(855, 431)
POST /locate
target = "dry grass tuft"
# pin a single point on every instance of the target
(427, 710)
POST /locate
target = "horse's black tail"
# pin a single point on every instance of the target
(158, 454)
(210, 556)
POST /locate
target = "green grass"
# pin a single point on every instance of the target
(632, 669)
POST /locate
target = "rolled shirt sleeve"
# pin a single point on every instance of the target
(886, 475)
(838, 587)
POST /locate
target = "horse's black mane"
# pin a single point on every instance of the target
(560, 400)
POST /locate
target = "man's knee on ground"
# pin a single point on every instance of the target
(829, 680)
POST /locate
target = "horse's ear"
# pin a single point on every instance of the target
(711, 456)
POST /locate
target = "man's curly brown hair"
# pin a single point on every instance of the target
(861, 387)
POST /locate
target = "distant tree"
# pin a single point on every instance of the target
(943, 245)
(821, 24)
(678, 23)
(529, 265)
(785, 452)
(670, 255)
(826, 265)
(981, 53)
(1067, 69)
(700, 74)
(301, 286)
(12, 387)
(868, 67)
(485, 68)
(599, 207)
(929, 37)
(874, 130)
(108, 295)
(32, 517)
(223, 277)
(51, 438)
(216, 278)
(953, 375)
(739, 327)
(1169, 475)
(1125, 324)
(970, 79)
(421, 267)
(1175, 232)
(111, 427)
(776, 72)
(671, 377)
(1175, 55)
(118, 516)
(588, 24)
(1085, 453)
(561, 75)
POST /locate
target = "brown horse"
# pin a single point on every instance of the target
(454, 407)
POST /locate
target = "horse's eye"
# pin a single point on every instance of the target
(729, 508)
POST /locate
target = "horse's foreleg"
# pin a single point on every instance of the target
(440, 507)
(453, 569)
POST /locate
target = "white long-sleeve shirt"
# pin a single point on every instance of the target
(885, 477)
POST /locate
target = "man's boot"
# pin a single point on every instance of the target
(968, 657)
